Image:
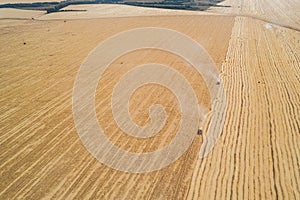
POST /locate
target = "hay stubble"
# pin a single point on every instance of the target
(256, 157)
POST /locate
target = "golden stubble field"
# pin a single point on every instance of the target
(256, 157)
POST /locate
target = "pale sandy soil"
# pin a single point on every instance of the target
(256, 157)
(10, 22)
(10, 13)
(112, 10)
(13, 17)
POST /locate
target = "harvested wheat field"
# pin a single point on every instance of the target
(283, 13)
(258, 151)
(112, 10)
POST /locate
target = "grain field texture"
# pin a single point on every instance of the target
(257, 51)
(257, 156)
(284, 13)
(114, 10)
(41, 153)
